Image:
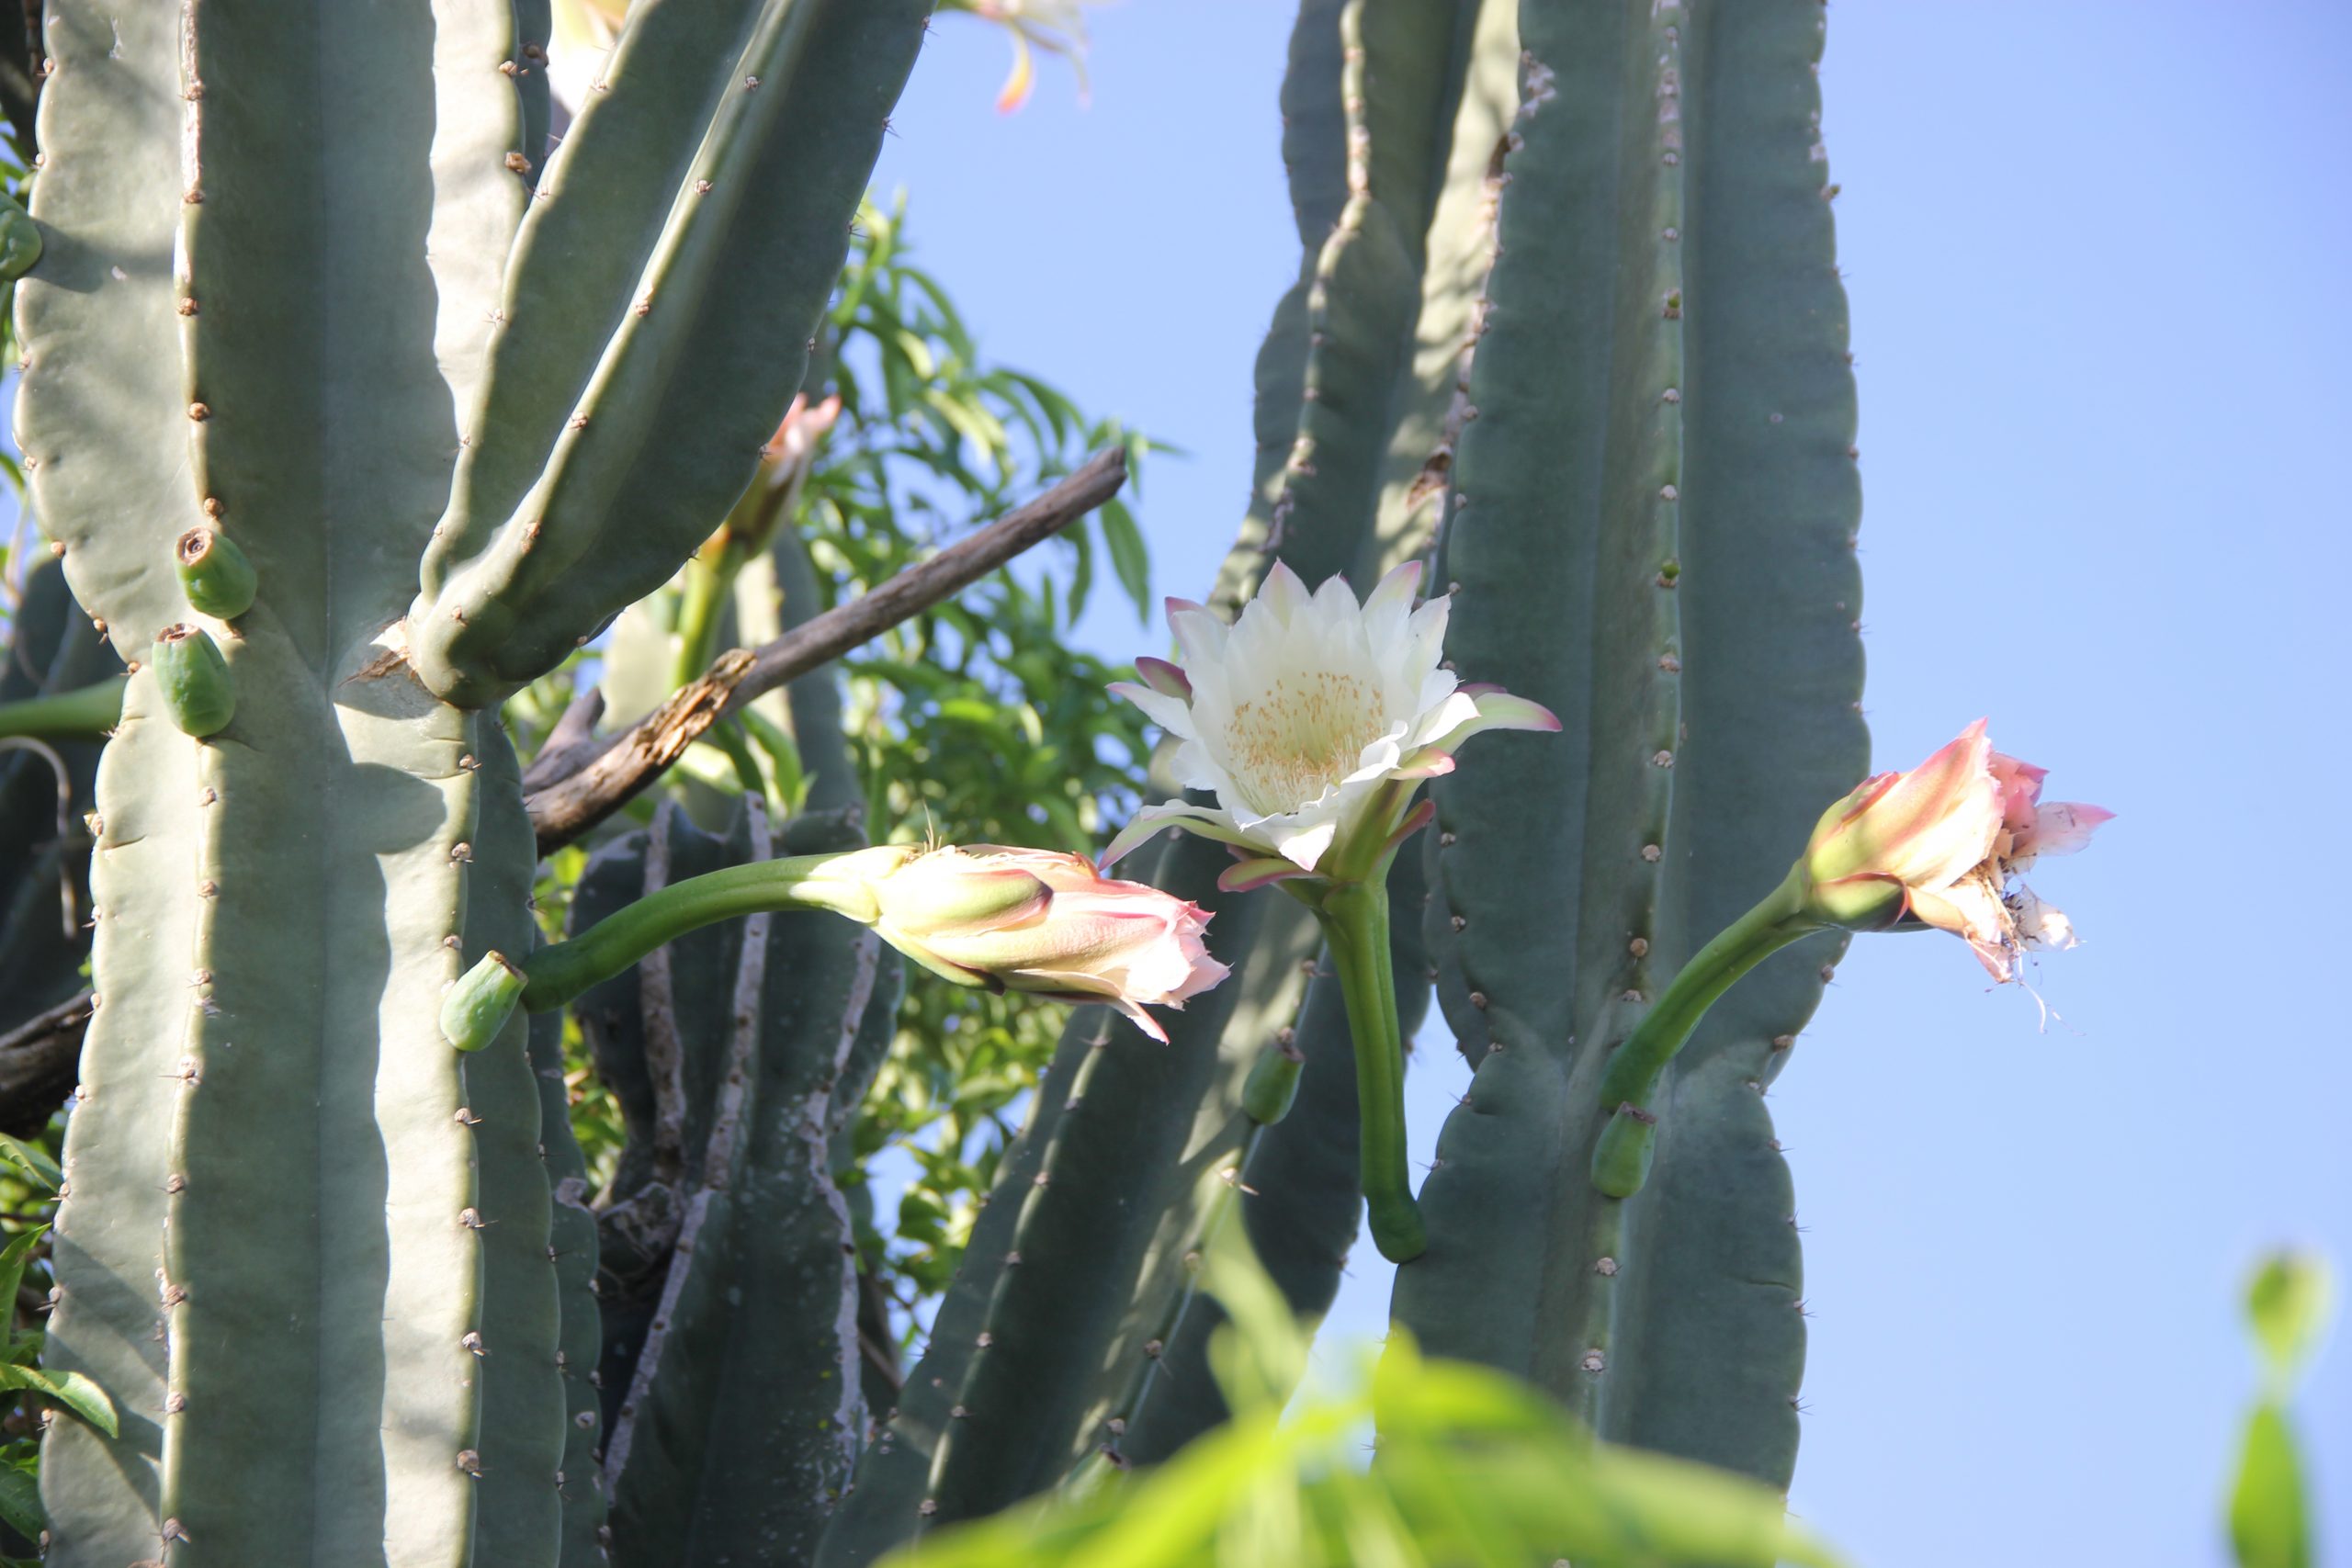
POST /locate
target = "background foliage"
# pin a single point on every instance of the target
(975, 721)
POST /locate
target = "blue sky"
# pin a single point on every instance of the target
(2096, 254)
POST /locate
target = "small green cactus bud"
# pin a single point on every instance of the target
(481, 1001)
(19, 242)
(219, 578)
(1620, 1162)
(194, 679)
(1272, 1084)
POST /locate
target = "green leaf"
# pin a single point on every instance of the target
(1130, 559)
(13, 1259)
(72, 1389)
(2270, 1522)
(2289, 1304)
(32, 1162)
(20, 1503)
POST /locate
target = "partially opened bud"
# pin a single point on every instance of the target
(1940, 845)
(1050, 923)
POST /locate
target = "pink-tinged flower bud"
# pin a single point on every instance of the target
(1042, 921)
(1941, 845)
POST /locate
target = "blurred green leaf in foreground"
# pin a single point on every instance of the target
(1472, 1468)
(2289, 1304)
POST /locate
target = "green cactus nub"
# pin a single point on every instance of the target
(219, 579)
(19, 242)
(195, 680)
(1620, 1162)
(481, 1001)
(1272, 1084)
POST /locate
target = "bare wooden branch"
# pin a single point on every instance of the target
(37, 1063)
(571, 745)
(563, 808)
(560, 812)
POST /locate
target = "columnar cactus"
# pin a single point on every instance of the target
(1073, 1330)
(1649, 528)
(737, 1052)
(352, 409)
(306, 283)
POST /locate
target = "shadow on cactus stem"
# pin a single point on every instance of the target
(1471, 1466)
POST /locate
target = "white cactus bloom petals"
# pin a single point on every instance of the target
(1298, 714)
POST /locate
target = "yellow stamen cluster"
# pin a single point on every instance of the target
(1300, 737)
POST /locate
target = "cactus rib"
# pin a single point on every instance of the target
(732, 1434)
(571, 1240)
(656, 320)
(519, 1508)
(990, 1413)
(1660, 455)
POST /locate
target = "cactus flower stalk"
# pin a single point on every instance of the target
(1938, 846)
(1313, 720)
(1015, 919)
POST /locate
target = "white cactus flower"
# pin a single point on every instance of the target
(1312, 718)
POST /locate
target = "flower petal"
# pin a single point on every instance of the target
(1201, 635)
(1429, 762)
(2064, 825)
(1388, 608)
(1971, 911)
(1497, 709)
(2040, 925)
(1167, 678)
(1282, 593)
(1929, 826)
(1303, 844)
(1171, 714)
(1244, 875)
(1200, 819)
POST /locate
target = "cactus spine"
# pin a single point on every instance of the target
(1660, 457)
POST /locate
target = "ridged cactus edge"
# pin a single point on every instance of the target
(303, 1244)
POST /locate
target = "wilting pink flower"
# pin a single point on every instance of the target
(1045, 922)
(1942, 844)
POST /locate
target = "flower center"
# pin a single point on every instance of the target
(1300, 737)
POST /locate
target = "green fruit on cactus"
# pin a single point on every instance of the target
(19, 242)
(481, 1001)
(220, 582)
(195, 680)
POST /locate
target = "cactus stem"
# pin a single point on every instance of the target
(90, 713)
(557, 974)
(1621, 1161)
(1355, 923)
